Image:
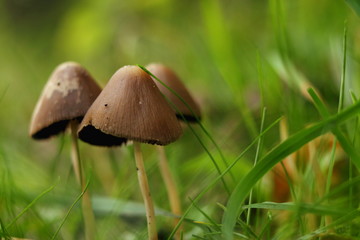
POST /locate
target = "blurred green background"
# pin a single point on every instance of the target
(234, 56)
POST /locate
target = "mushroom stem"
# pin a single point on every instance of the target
(75, 156)
(89, 218)
(171, 187)
(145, 191)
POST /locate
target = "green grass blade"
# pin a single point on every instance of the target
(330, 170)
(300, 207)
(342, 220)
(344, 142)
(69, 211)
(346, 185)
(260, 79)
(319, 105)
(7, 190)
(343, 72)
(210, 155)
(257, 154)
(343, 187)
(222, 45)
(289, 182)
(212, 221)
(266, 228)
(353, 97)
(192, 112)
(277, 11)
(3, 231)
(30, 205)
(210, 185)
(246, 228)
(354, 5)
(287, 147)
(192, 129)
(337, 132)
(354, 140)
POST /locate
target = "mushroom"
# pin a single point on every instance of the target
(190, 113)
(66, 97)
(131, 107)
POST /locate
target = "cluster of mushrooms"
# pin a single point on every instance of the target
(133, 106)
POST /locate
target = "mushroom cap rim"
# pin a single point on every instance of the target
(126, 138)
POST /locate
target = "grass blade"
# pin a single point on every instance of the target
(290, 145)
(214, 224)
(343, 73)
(192, 129)
(355, 5)
(347, 185)
(266, 228)
(342, 220)
(30, 205)
(300, 207)
(257, 154)
(69, 211)
(354, 140)
(3, 231)
(345, 143)
(222, 47)
(210, 185)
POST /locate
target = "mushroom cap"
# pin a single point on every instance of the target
(130, 107)
(68, 94)
(169, 77)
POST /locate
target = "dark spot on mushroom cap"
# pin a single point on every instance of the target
(58, 83)
(105, 105)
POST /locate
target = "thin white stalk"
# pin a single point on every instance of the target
(145, 191)
(89, 218)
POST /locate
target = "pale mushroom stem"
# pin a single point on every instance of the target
(171, 187)
(89, 218)
(145, 191)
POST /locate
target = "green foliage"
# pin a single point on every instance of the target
(355, 5)
(292, 58)
(289, 146)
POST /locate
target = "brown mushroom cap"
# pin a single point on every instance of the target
(130, 107)
(68, 94)
(167, 76)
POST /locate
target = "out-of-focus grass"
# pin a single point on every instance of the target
(220, 49)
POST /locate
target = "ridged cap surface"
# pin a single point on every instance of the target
(68, 94)
(130, 107)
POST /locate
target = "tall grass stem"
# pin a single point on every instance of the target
(69, 211)
(210, 185)
(340, 107)
(257, 154)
